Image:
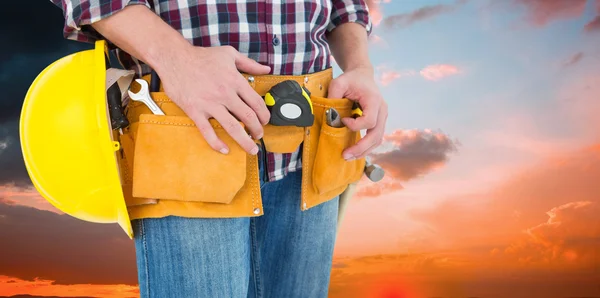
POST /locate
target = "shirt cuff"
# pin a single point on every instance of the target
(79, 15)
(350, 11)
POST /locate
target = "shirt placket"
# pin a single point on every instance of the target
(274, 35)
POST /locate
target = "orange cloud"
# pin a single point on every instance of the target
(414, 152)
(10, 286)
(469, 273)
(387, 75)
(378, 41)
(25, 196)
(594, 25)
(542, 12)
(499, 216)
(374, 12)
(376, 189)
(406, 155)
(438, 71)
(63, 249)
(569, 237)
(427, 12)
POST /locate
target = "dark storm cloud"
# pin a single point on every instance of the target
(31, 37)
(57, 247)
(12, 167)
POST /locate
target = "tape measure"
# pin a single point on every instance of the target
(356, 110)
(290, 105)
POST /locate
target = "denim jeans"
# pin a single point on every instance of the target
(284, 253)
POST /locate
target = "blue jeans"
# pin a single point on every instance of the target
(284, 253)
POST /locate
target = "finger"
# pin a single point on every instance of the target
(250, 66)
(254, 101)
(370, 149)
(374, 136)
(235, 130)
(208, 132)
(368, 120)
(337, 88)
(361, 146)
(245, 114)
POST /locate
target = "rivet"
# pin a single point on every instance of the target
(256, 211)
(308, 132)
(251, 79)
(304, 205)
(320, 87)
(305, 80)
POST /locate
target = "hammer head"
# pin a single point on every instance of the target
(373, 171)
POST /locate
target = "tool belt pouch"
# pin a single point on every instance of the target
(282, 139)
(331, 170)
(327, 173)
(173, 161)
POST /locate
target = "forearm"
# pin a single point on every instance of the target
(349, 46)
(144, 35)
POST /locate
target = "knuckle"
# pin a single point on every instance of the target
(220, 88)
(371, 122)
(231, 125)
(230, 49)
(248, 115)
(338, 84)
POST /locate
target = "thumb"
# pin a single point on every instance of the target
(337, 88)
(250, 66)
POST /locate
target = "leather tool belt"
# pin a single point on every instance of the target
(169, 169)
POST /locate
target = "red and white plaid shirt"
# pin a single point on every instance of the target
(288, 36)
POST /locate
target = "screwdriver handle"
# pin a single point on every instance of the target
(117, 117)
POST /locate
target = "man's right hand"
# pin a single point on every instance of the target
(205, 83)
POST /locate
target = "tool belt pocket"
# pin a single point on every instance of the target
(282, 139)
(331, 171)
(173, 161)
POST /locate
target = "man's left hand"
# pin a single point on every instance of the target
(359, 85)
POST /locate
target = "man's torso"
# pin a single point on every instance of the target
(288, 36)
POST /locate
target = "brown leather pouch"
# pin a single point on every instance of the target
(326, 173)
(282, 139)
(172, 161)
(331, 170)
(126, 164)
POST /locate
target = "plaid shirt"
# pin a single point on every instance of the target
(288, 36)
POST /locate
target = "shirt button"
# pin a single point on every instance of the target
(275, 41)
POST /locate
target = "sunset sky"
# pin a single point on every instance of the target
(492, 156)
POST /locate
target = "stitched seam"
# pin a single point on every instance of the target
(174, 123)
(339, 106)
(305, 173)
(332, 134)
(165, 123)
(255, 258)
(258, 79)
(143, 235)
(253, 185)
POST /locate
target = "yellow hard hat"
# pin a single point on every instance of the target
(68, 145)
